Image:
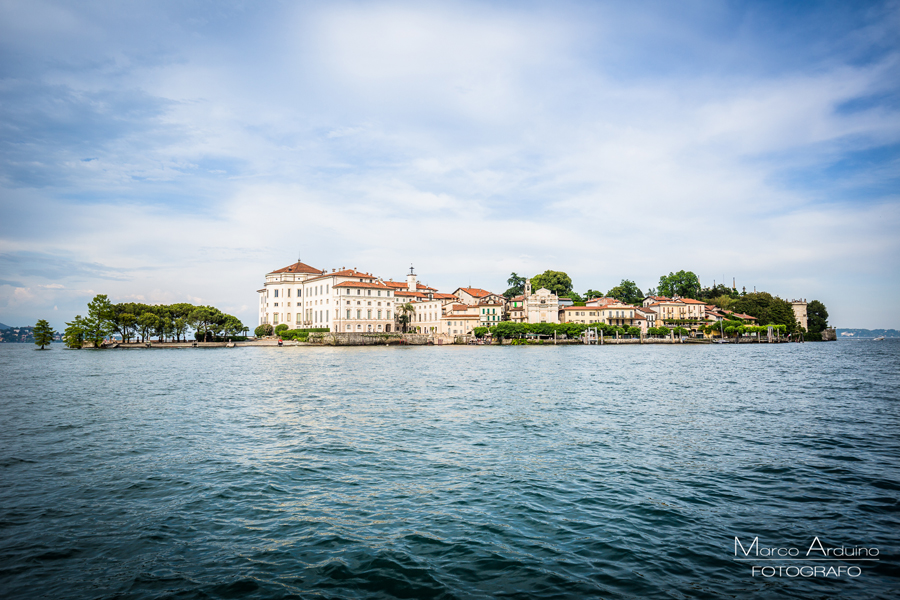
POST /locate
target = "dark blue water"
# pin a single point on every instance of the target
(463, 472)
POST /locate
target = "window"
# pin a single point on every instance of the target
(388, 315)
(379, 292)
(369, 292)
(358, 292)
(348, 313)
(379, 316)
(358, 313)
(289, 292)
(369, 314)
(276, 293)
(289, 317)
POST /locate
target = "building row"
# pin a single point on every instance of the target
(351, 301)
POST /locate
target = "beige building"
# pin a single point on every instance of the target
(515, 309)
(645, 318)
(474, 296)
(620, 315)
(799, 307)
(579, 314)
(491, 313)
(459, 319)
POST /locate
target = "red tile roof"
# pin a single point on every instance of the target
(345, 273)
(476, 292)
(299, 267)
(361, 284)
(445, 297)
(691, 301)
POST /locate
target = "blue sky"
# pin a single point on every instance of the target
(168, 152)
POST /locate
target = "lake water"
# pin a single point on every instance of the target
(454, 472)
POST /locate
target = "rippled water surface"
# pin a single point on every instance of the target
(544, 472)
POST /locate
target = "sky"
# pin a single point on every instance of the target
(178, 151)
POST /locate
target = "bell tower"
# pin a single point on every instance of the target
(527, 288)
(411, 279)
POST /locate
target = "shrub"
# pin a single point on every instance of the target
(280, 328)
(263, 330)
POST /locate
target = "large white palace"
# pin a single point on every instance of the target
(343, 300)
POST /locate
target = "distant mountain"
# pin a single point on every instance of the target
(2, 326)
(867, 333)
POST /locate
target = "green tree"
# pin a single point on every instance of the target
(99, 323)
(407, 311)
(556, 281)
(683, 283)
(480, 332)
(146, 324)
(163, 325)
(816, 317)
(263, 330)
(592, 294)
(627, 292)
(767, 309)
(43, 333)
(723, 301)
(125, 323)
(74, 334)
(179, 328)
(201, 318)
(516, 286)
(633, 331)
(233, 325)
(280, 328)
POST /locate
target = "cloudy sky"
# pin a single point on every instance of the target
(178, 151)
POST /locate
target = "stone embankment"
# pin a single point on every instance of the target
(414, 339)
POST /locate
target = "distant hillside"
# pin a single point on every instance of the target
(2, 326)
(867, 333)
(22, 335)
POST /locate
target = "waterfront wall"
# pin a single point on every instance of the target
(368, 339)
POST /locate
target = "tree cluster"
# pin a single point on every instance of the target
(767, 309)
(510, 330)
(132, 320)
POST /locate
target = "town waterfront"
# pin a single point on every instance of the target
(456, 472)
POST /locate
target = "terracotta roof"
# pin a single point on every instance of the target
(344, 273)
(658, 298)
(742, 316)
(299, 267)
(691, 301)
(404, 294)
(460, 307)
(445, 297)
(395, 284)
(520, 297)
(579, 308)
(476, 292)
(644, 309)
(360, 284)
